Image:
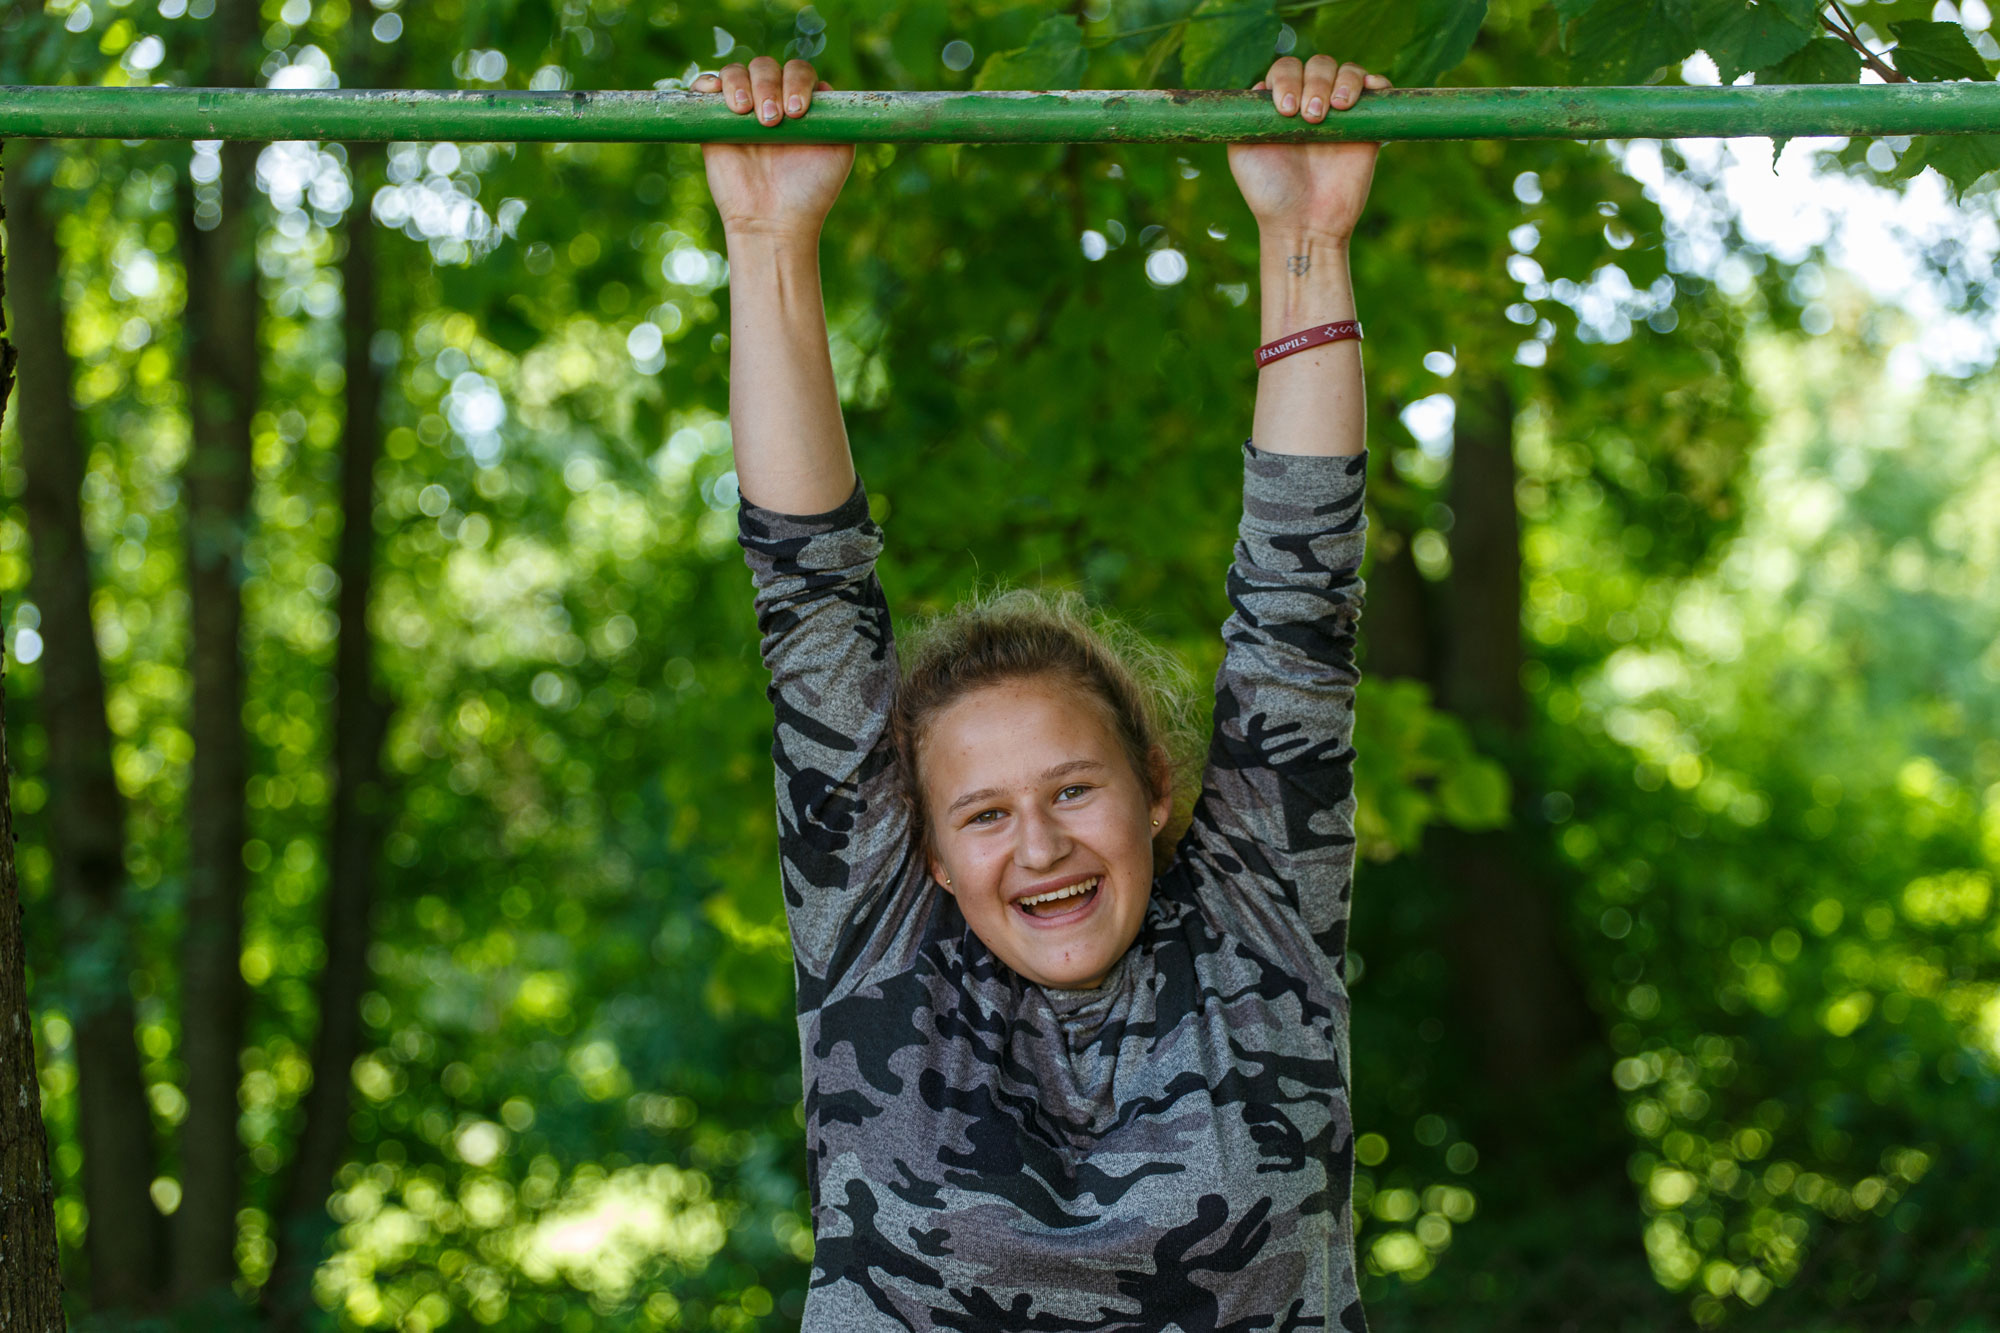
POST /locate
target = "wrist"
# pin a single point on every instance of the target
(1294, 238)
(1305, 282)
(766, 237)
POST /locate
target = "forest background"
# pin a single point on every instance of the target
(390, 749)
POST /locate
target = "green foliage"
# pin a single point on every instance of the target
(1935, 52)
(1742, 37)
(1229, 43)
(1053, 58)
(1821, 60)
(1781, 904)
(1421, 769)
(1962, 159)
(1372, 33)
(1627, 41)
(1444, 32)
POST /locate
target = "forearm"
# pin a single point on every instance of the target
(1309, 402)
(784, 411)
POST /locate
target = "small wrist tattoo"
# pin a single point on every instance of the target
(1298, 265)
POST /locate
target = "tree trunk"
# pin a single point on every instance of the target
(1483, 667)
(358, 721)
(30, 1263)
(1547, 1117)
(223, 358)
(85, 810)
(1396, 638)
(1517, 980)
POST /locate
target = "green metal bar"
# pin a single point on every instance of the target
(999, 117)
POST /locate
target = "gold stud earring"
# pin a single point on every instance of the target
(1156, 823)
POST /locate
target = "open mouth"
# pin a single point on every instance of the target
(1066, 901)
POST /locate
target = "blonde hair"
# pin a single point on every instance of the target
(1044, 634)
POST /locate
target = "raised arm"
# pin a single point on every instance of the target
(1307, 199)
(1277, 804)
(784, 413)
(806, 534)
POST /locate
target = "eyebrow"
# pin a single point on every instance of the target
(988, 793)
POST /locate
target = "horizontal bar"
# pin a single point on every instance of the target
(999, 117)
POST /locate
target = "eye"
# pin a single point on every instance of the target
(981, 817)
(1073, 787)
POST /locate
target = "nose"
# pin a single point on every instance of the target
(1042, 843)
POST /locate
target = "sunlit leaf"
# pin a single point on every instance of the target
(1054, 58)
(1821, 60)
(1740, 37)
(1229, 43)
(1962, 159)
(1935, 52)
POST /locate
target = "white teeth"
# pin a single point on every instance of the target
(1057, 895)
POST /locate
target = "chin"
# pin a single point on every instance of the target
(1080, 961)
(1065, 975)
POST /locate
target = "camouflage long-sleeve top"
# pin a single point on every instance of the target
(1170, 1151)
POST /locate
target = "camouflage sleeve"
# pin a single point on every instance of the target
(1276, 813)
(825, 636)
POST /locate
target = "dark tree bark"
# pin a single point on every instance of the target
(30, 1263)
(1517, 981)
(1396, 638)
(1483, 668)
(358, 722)
(85, 810)
(223, 360)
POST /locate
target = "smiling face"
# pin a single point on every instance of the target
(1042, 827)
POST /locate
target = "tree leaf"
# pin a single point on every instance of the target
(1054, 58)
(1445, 30)
(1742, 37)
(1369, 32)
(1159, 52)
(1569, 11)
(1962, 158)
(1821, 60)
(1627, 41)
(1935, 53)
(1229, 43)
(1803, 13)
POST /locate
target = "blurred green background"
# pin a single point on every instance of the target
(455, 991)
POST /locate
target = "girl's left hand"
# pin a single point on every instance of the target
(1316, 188)
(778, 189)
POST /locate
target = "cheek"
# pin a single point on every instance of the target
(967, 856)
(1121, 833)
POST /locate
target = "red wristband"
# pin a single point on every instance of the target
(1339, 331)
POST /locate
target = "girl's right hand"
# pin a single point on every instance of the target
(772, 189)
(1309, 188)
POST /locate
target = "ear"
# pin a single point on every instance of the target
(941, 875)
